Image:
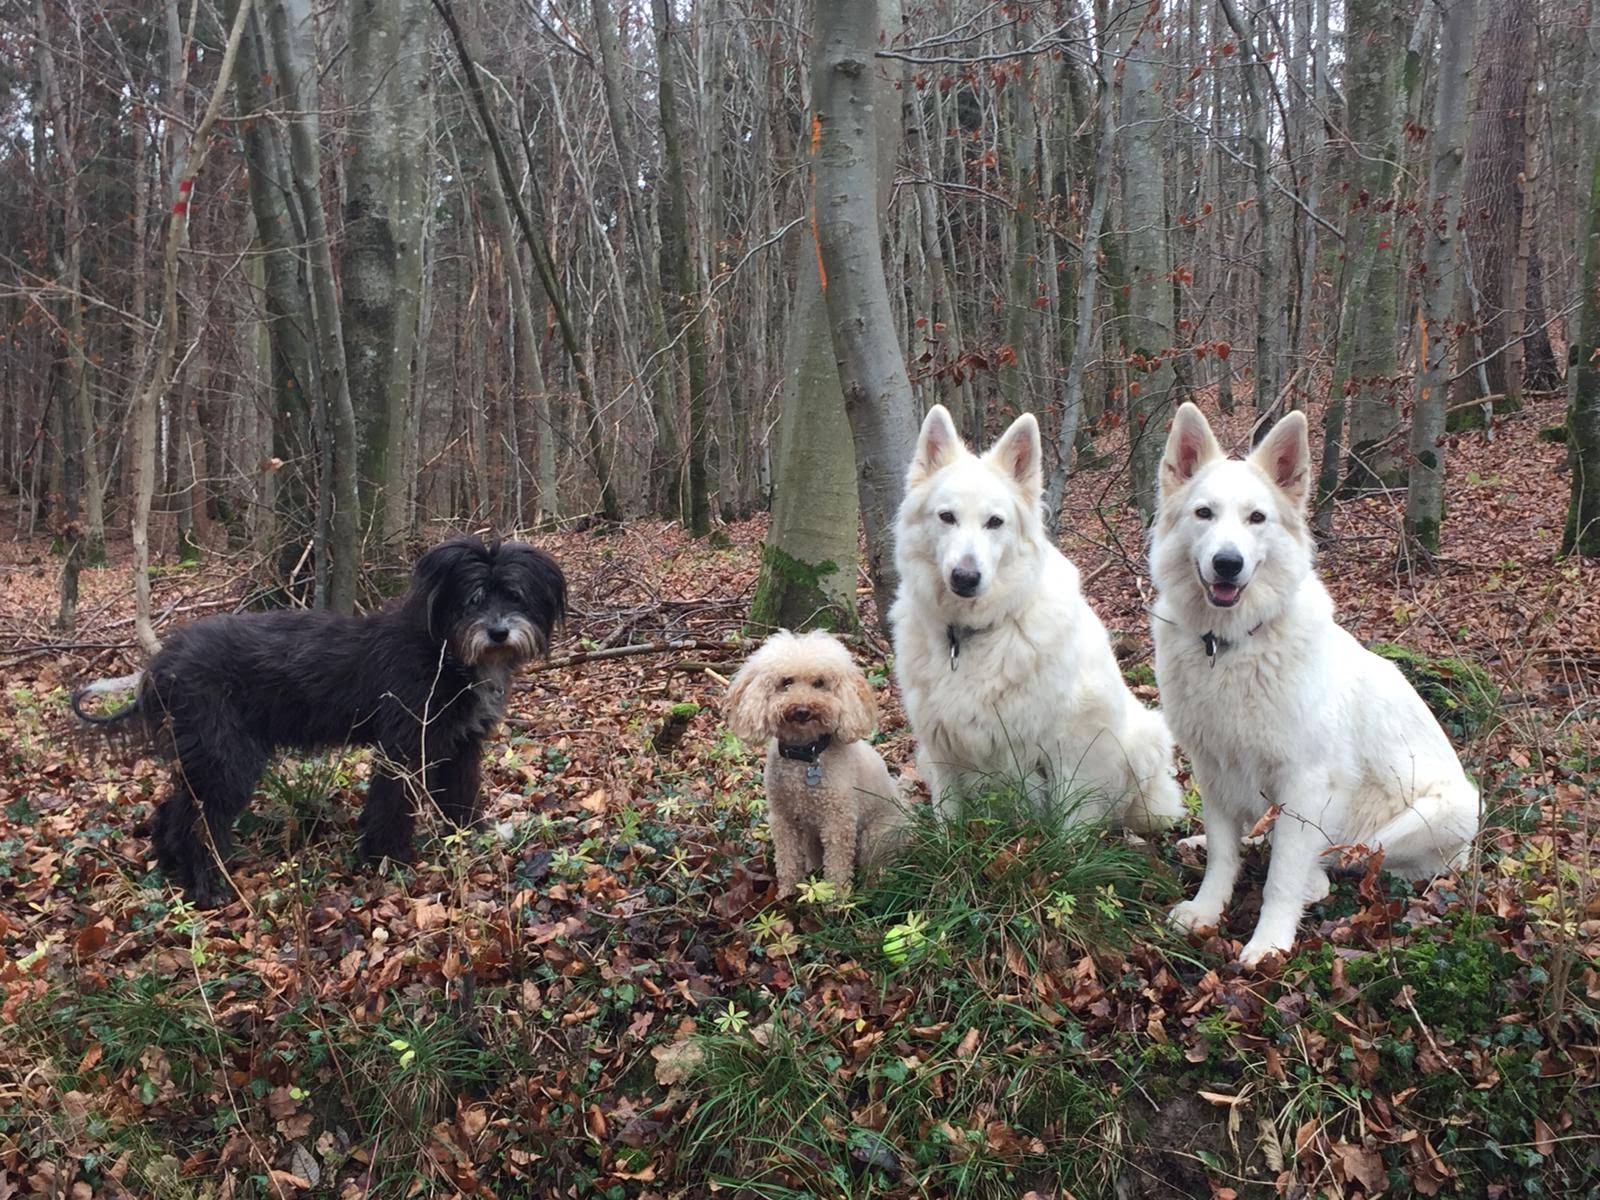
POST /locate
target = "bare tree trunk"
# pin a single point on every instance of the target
(610, 505)
(1496, 143)
(679, 277)
(1364, 364)
(667, 464)
(413, 192)
(1251, 65)
(144, 416)
(70, 268)
(844, 196)
(279, 234)
(387, 79)
(1149, 336)
(1088, 282)
(1581, 533)
(1441, 270)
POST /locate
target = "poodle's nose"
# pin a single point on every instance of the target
(797, 716)
(1227, 563)
(964, 581)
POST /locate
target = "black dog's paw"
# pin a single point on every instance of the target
(376, 846)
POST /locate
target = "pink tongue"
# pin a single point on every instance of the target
(1225, 591)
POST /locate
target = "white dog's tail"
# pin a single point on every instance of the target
(1154, 801)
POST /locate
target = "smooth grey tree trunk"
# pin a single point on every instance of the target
(386, 84)
(1441, 273)
(645, 236)
(1149, 332)
(1581, 533)
(679, 278)
(279, 234)
(294, 53)
(1252, 66)
(1364, 382)
(872, 371)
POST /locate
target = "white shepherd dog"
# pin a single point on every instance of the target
(1005, 671)
(1274, 703)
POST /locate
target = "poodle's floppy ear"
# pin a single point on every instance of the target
(938, 445)
(746, 705)
(1190, 446)
(1017, 453)
(1285, 455)
(858, 708)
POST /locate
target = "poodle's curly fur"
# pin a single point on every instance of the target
(795, 689)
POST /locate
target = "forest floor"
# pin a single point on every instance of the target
(595, 994)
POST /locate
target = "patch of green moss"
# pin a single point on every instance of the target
(1461, 694)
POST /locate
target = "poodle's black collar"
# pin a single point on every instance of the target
(806, 752)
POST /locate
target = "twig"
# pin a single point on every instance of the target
(584, 656)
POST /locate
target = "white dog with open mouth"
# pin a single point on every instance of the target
(1005, 671)
(1274, 703)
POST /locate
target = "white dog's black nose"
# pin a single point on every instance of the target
(1227, 563)
(964, 582)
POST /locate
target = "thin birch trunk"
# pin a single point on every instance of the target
(1441, 271)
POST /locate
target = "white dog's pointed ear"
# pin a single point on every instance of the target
(1190, 446)
(938, 445)
(1018, 454)
(1285, 455)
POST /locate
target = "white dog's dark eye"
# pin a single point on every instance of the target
(785, 682)
(819, 683)
(948, 517)
(994, 522)
(1257, 517)
(1203, 513)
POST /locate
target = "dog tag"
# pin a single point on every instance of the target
(813, 774)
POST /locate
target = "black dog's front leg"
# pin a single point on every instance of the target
(453, 784)
(387, 818)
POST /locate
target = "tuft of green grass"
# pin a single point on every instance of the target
(1004, 877)
(980, 1083)
(407, 1076)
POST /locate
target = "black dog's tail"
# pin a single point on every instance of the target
(123, 683)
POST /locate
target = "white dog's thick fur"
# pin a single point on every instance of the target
(834, 807)
(1005, 671)
(1275, 703)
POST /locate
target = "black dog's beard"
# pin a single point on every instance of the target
(474, 647)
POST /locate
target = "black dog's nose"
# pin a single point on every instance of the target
(498, 633)
(964, 582)
(1227, 563)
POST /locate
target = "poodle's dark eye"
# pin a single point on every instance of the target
(1258, 517)
(786, 682)
(994, 522)
(819, 683)
(948, 517)
(1203, 513)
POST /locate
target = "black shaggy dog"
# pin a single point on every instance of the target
(423, 681)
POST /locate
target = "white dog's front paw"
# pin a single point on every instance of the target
(1191, 915)
(1260, 946)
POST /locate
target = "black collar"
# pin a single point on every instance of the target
(806, 752)
(1215, 645)
(954, 635)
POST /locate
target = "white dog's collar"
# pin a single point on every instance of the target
(956, 634)
(1215, 645)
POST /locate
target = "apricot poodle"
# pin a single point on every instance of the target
(831, 801)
